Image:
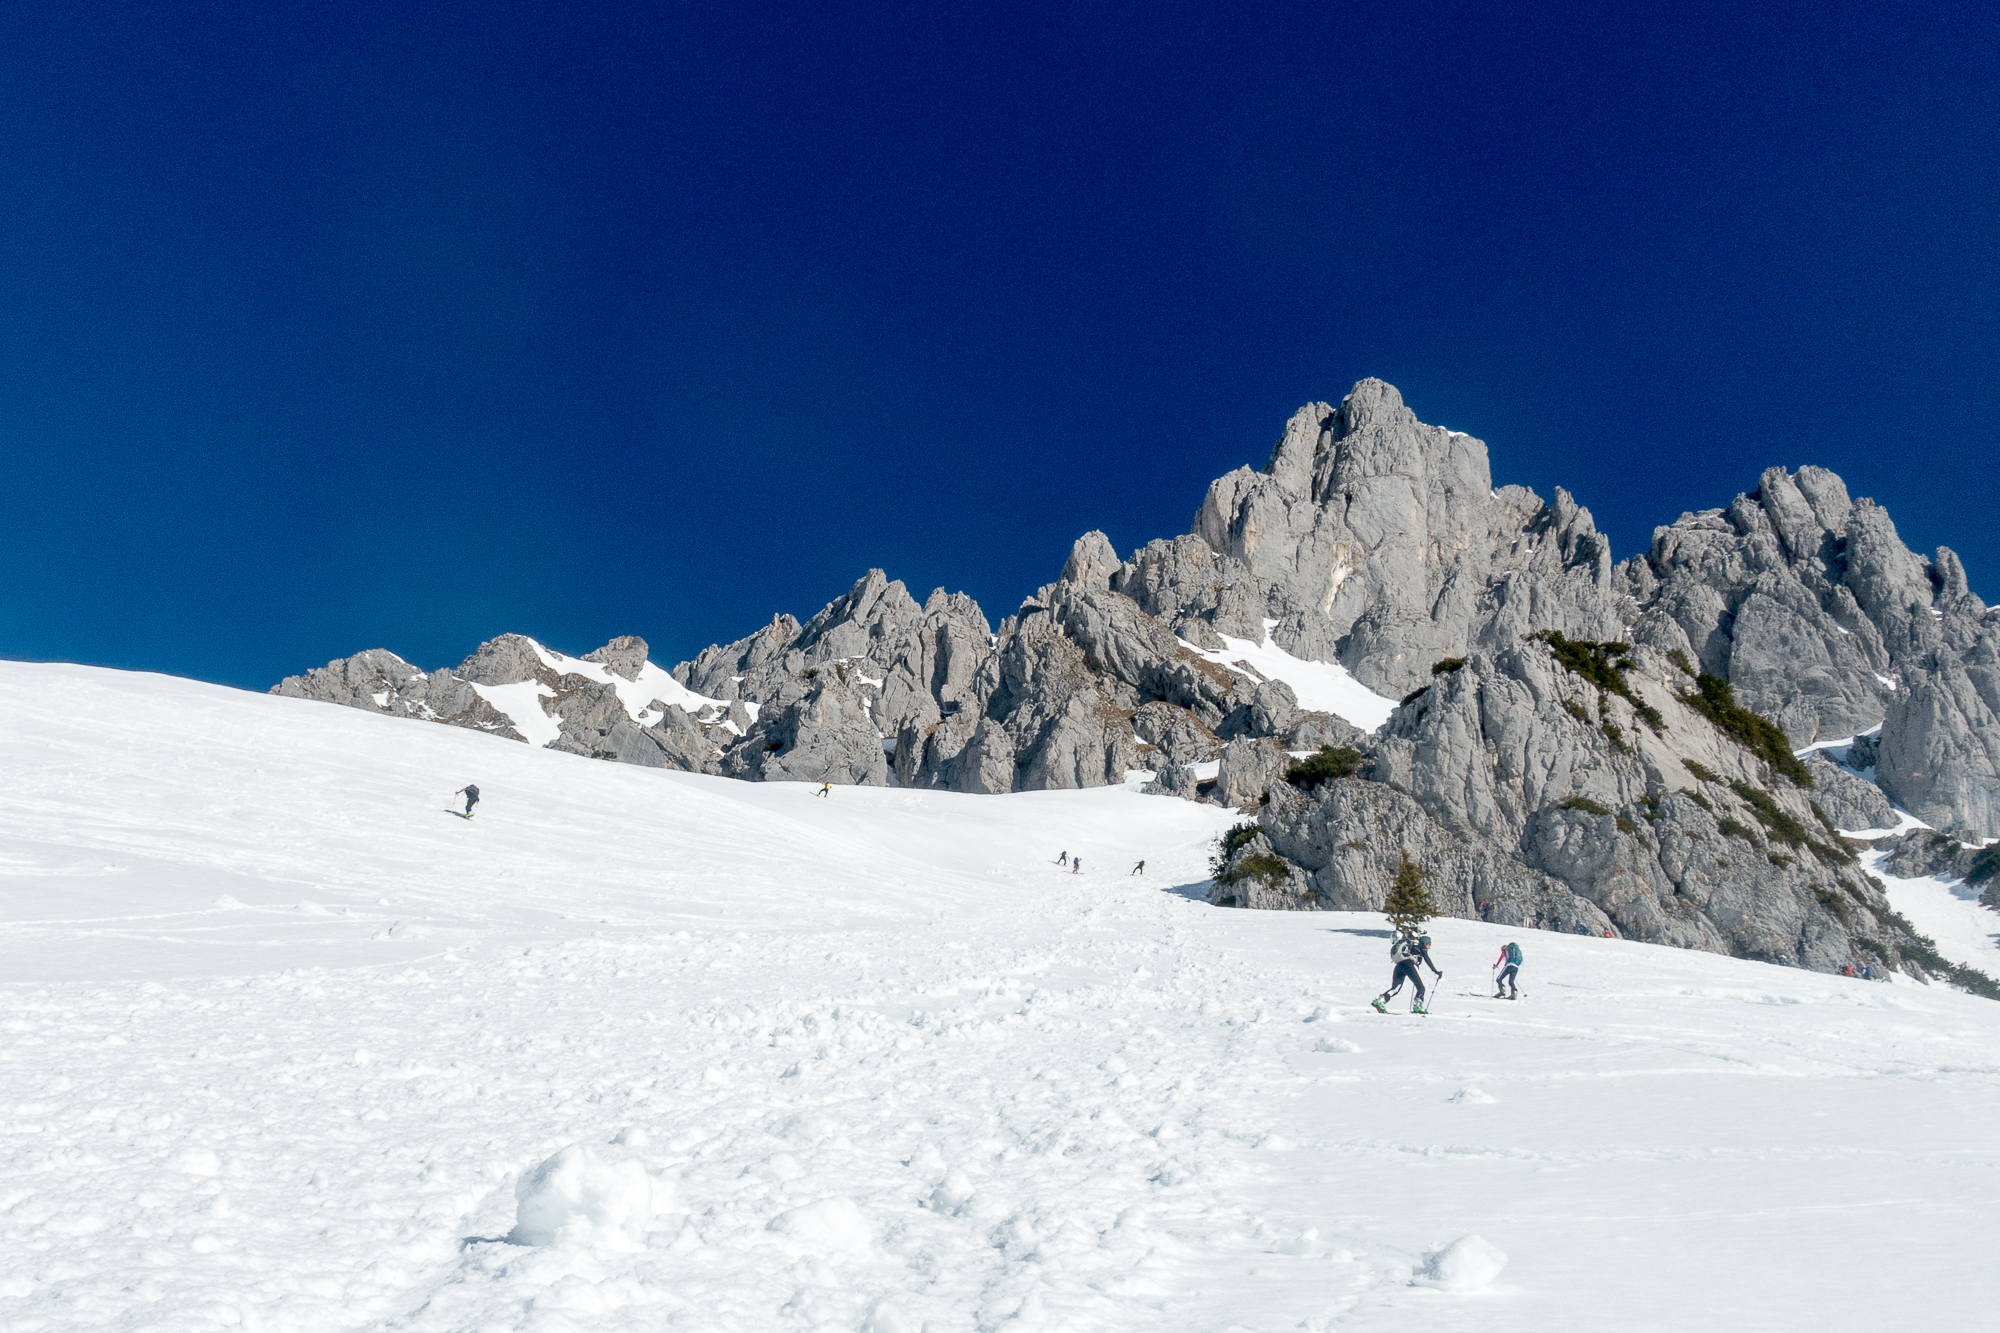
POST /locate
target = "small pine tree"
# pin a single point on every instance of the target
(1409, 903)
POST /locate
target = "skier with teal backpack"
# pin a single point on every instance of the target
(1509, 963)
(1407, 951)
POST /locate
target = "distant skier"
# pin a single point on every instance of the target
(1062, 858)
(1076, 866)
(471, 794)
(1139, 869)
(1509, 963)
(825, 789)
(1582, 929)
(1407, 952)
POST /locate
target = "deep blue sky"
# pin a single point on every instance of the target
(325, 327)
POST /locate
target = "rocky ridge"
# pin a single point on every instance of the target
(1374, 550)
(609, 704)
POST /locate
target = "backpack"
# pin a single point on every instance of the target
(1514, 954)
(1403, 950)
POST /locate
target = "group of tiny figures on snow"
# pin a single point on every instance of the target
(1411, 952)
(1074, 864)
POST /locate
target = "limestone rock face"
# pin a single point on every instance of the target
(1380, 542)
(510, 659)
(829, 735)
(623, 656)
(898, 666)
(378, 681)
(1809, 604)
(1940, 745)
(1924, 852)
(1529, 790)
(1255, 877)
(595, 724)
(1850, 802)
(1249, 769)
(1350, 836)
(1176, 733)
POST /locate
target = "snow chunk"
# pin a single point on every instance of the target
(952, 1193)
(1467, 1264)
(579, 1195)
(1322, 687)
(1472, 1097)
(830, 1224)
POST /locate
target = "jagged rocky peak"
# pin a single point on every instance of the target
(1822, 620)
(1379, 541)
(1093, 563)
(836, 692)
(507, 660)
(623, 656)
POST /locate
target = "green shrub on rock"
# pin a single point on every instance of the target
(1715, 701)
(1331, 762)
(1603, 665)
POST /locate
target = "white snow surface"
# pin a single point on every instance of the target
(290, 1047)
(1322, 687)
(1947, 910)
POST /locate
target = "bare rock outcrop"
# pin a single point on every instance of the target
(1564, 784)
(1848, 802)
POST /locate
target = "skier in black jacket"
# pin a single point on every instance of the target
(471, 797)
(1407, 952)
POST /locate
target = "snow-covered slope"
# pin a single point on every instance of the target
(282, 1036)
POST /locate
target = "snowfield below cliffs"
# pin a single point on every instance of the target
(288, 1046)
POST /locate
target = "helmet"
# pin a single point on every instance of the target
(1423, 939)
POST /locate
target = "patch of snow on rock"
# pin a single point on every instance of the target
(654, 683)
(521, 704)
(1322, 687)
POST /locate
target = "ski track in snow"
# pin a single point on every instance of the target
(281, 1037)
